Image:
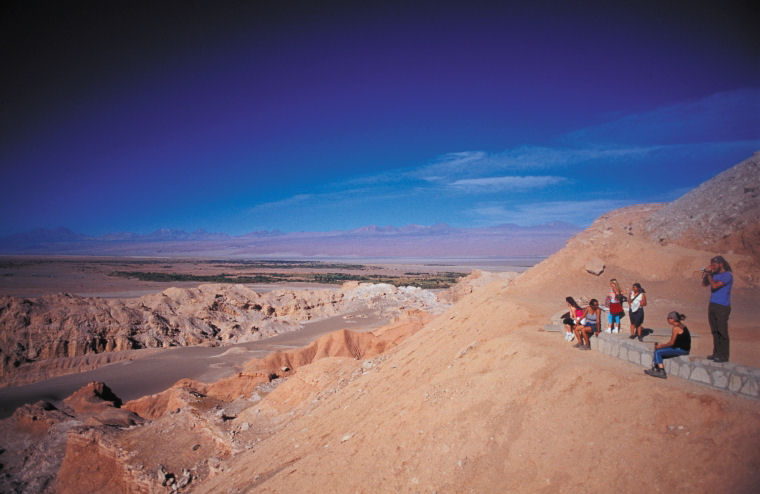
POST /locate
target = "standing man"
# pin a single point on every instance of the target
(719, 278)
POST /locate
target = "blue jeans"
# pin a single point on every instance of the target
(668, 352)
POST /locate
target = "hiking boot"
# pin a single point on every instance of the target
(656, 372)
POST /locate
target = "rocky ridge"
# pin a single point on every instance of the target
(722, 214)
(34, 331)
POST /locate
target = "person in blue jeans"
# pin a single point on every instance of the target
(720, 279)
(679, 344)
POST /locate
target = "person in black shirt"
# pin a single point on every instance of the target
(679, 344)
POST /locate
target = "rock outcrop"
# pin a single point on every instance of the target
(722, 214)
(180, 437)
(41, 443)
(68, 326)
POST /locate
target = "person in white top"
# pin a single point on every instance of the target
(637, 301)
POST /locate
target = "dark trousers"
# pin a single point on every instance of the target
(718, 316)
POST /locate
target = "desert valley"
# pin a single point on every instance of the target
(453, 385)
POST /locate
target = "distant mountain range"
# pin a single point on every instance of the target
(439, 240)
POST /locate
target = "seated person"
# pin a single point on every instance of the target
(590, 324)
(679, 344)
(571, 318)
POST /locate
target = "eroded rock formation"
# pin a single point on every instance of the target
(173, 440)
(69, 326)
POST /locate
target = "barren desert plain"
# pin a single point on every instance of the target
(457, 390)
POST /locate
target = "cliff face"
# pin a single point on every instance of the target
(68, 326)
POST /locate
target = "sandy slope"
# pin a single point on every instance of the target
(479, 401)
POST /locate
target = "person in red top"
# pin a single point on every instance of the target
(614, 303)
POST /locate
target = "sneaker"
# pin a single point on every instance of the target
(719, 360)
(608, 331)
(641, 338)
(656, 372)
(586, 347)
(577, 345)
(632, 336)
(615, 331)
(710, 357)
(572, 337)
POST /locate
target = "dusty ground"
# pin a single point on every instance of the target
(483, 402)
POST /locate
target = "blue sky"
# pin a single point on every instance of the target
(245, 116)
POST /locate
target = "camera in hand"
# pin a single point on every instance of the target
(705, 276)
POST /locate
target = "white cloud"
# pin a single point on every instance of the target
(295, 200)
(653, 144)
(477, 164)
(507, 183)
(577, 212)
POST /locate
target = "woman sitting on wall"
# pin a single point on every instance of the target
(590, 324)
(679, 344)
(571, 318)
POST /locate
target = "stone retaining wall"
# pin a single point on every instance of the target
(740, 380)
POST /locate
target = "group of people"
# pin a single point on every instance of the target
(583, 322)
